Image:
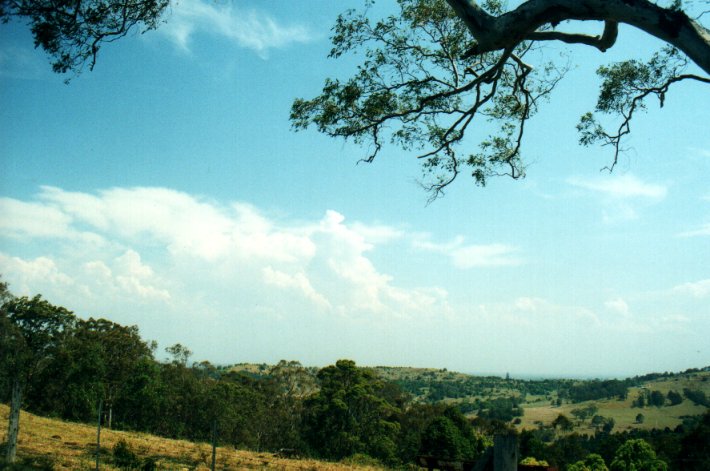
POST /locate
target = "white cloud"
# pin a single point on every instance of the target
(697, 289)
(298, 281)
(168, 247)
(618, 306)
(251, 29)
(377, 234)
(21, 219)
(620, 187)
(29, 273)
(469, 256)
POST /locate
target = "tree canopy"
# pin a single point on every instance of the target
(73, 32)
(432, 72)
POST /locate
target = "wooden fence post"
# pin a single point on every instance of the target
(98, 434)
(214, 444)
(505, 453)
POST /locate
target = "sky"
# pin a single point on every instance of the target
(166, 189)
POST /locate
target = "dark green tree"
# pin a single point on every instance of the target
(695, 447)
(73, 32)
(563, 423)
(674, 397)
(94, 364)
(636, 455)
(656, 399)
(347, 416)
(451, 437)
(33, 333)
(697, 396)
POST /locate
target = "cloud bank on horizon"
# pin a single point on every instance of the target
(175, 263)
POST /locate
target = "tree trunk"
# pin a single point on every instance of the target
(13, 429)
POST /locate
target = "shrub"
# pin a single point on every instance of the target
(124, 457)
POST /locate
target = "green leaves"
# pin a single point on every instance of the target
(349, 415)
(636, 455)
(414, 89)
(625, 87)
(73, 32)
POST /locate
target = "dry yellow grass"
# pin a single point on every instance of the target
(72, 446)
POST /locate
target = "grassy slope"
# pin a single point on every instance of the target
(624, 414)
(72, 446)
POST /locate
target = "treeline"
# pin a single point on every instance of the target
(432, 388)
(55, 364)
(686, 448)
(597, 389)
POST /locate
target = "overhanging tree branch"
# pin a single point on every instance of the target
(510, 28)
(603, 42)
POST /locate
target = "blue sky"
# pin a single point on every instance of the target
(166, 189)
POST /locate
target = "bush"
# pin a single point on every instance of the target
(361, 459)
(532, 461)
(124, 457)
(698, 397)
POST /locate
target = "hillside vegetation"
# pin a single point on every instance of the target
(55, 444)
(54, 364)
(542, 401)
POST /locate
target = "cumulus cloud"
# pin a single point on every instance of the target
(168, 247)
(466, 256)
(250, 29)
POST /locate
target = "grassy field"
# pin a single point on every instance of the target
(623, 412)
(67, 445)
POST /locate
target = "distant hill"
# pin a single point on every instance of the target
(541, 401)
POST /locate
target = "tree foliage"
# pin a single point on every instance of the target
(438, 70)
(417, 89)
(72, 32)
(451, 437)
(348, 416)
(593, 462)
(637, 455)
